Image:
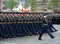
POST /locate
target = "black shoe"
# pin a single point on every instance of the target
(56, 30)
(53, 37)
(39, 39)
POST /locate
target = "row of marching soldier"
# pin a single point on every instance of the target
(16, 25)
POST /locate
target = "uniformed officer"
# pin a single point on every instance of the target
(20, 25)
(15, 26)
(50, 23)
(10, 26)
(1, 33)
(40, 21)
(3, 26)
(26, 24)
(36, 22)
(45, 28)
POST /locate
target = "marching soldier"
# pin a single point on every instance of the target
(36, 22)
(1, 33)
(3, 26)
(29, 23)
(45, 28)
(50, 23)
(40, 21)
(19, 25)
(26, 24)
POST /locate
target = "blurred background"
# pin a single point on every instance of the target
(32, 5)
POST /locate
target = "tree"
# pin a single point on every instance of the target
(33, 5)
(54, 4)
(26, 3)
(10, 4)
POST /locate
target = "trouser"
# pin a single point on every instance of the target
(24, 29)
(27, 29)
(51, 27)
(39, 27)
(31, 28)
(7, 30)
(12, 33)
(50, 24)
(43, 30)
(16, 30)
(36, 27)
(20, 29)
(4, 31)
(1, 33)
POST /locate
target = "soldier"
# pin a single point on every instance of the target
(45, 28)
(27, 21)
(26, 24)
(3, 25)
(30, 23)
(20, 20)
(50, 23)
(6, 25)
(15, 26)
(40, 21)
(35, 22)
(10, 25)
(1, 32)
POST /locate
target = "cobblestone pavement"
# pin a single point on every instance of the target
(34, 39)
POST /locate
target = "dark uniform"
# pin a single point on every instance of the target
(45, 28)
(52, 29)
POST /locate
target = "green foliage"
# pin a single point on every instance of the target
(27, 3)
(54, 4)
(10, 4)
(33, 5)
